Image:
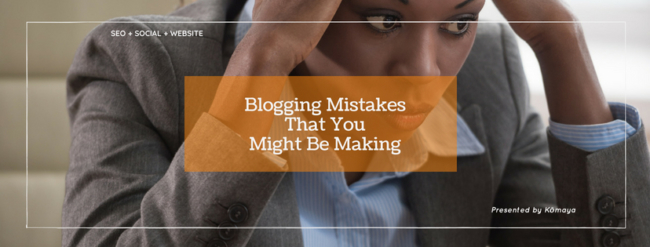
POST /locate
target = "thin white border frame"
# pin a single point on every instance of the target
(299, 22)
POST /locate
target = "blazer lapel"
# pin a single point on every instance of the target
(454, 199)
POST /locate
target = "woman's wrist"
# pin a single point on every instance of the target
(572, 89)
(229, 104)
(557, 37)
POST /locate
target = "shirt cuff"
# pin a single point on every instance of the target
(599, 136)
(212, 146)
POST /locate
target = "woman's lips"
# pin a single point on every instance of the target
(410, 119)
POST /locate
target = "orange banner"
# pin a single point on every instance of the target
(321, 124)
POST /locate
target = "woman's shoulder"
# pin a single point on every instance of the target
(148, 43)
(134, 54)
(135, 36)
(128, 49)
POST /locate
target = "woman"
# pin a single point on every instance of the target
(129, 157)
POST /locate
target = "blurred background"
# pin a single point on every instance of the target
(52, 47)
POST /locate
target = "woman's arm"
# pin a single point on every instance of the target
(268, 49)
(127, 161)
(572, 90)
(127, 172)
(603, 183)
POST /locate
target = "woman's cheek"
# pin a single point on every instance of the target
(454, 56)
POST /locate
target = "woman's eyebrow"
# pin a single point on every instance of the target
(463, 4)
(460, 5)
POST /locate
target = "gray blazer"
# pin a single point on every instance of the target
(125, 99)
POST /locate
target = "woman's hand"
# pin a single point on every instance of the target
(277, 48)
(572, 90)
(268, 49)
(538, 35)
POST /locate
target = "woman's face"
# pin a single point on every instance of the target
(393, 49)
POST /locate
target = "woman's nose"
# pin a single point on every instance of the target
(416, 57)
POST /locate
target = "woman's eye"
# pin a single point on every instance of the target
(456, 27)
(384, 23)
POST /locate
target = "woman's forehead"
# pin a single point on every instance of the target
(423, 5)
